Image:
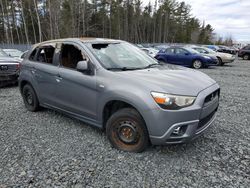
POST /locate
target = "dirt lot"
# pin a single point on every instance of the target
(47, 149)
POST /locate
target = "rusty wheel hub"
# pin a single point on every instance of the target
(127, 132)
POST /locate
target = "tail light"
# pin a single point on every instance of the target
(18, 66)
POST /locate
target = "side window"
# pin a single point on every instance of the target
(201, 50)
(23, 55)
(45, 54)
(71, 55)
(169, 50)
(180, 51)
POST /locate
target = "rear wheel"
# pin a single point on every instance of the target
(30, 98)
(246, 57)
(197, 64)
(127, 131)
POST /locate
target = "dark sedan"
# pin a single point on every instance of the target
(186, 57)
(9, 69)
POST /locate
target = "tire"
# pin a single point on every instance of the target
(127, 131)
(246, 57)
(30, 98)
(197, 64)
(220, 63)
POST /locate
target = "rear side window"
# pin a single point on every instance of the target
(32, 55)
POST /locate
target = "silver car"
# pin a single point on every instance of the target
(113, 85)
(222, 57)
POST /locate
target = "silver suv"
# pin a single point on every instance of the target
(113, 85)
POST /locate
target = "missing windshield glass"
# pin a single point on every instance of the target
(99, 46)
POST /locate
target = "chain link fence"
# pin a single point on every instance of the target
(21, 47)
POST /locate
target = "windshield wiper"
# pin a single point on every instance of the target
(123, 68)
(152, 65)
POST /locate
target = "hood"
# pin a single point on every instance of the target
(171, 79)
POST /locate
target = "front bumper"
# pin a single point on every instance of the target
(192, 121)
(229, 60)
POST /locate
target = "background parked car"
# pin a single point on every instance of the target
(150, 51)
(185, 56)
(13, 52)
(226, 49)
(9, 69)
(212, 47)
(222, 57)
(245, 52)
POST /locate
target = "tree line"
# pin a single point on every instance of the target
(33, 21)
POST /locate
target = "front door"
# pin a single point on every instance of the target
(76, 91)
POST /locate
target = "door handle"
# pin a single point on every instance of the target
(58, 78)
(33, 70)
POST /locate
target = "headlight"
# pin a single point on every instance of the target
(172, 102)
(207, 57)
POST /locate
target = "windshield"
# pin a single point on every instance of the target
(3, 54)
(121, 55)
(14, 53)
(191, 50)
(209, 50)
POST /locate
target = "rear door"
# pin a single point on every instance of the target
(44, 71)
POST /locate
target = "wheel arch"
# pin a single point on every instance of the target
(112, 106)
(22, 83)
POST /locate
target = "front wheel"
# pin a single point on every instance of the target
(30, 98)
(220, 63)
(197, 64)
(127, 131)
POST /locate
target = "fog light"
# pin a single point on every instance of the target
(179, 131)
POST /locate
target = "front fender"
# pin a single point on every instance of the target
(142, 102)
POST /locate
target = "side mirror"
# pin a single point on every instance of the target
(82, 66)
(186, 53)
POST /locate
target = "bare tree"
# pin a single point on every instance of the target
(38, 21)
(24, 23)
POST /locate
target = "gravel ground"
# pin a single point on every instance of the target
(48, 149)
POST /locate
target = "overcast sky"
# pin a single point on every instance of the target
(228, 17)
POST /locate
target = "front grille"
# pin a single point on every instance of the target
(212, 96)
(205, 120)
(8, 69)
